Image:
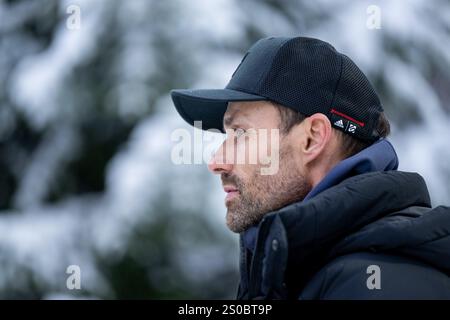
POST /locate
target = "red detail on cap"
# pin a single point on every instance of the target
(347, 117)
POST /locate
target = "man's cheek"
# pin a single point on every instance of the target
(247, 150)
(269, 151)
(274, 165)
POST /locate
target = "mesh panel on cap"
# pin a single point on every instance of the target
(310, 76)
(356, 98)
(299, 79)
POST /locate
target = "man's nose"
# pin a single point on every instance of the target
(218, 163)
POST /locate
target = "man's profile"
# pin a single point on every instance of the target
(337, 220)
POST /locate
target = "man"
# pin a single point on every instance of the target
(337, 220)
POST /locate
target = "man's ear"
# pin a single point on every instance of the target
(316, 137)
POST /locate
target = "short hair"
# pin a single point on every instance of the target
(349, 145)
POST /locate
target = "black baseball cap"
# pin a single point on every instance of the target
(305, 74)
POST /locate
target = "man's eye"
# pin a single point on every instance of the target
(235, 133)
(239, 132)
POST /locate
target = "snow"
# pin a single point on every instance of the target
(46, 238)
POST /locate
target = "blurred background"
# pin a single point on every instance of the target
(86, 119)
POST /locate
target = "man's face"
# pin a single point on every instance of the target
(251, 194)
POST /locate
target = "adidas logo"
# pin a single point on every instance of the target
(339, 123)
(352, 128)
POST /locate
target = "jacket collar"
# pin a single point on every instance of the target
(295, 241)
(380, 156)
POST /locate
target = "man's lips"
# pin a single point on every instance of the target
(231, 191)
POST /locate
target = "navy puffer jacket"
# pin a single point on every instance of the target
(368, 232)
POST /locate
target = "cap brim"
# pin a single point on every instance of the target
(207, 105)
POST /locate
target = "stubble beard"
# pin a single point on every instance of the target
(262, 194)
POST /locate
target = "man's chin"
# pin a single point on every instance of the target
(233, 222)
(237, 224)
